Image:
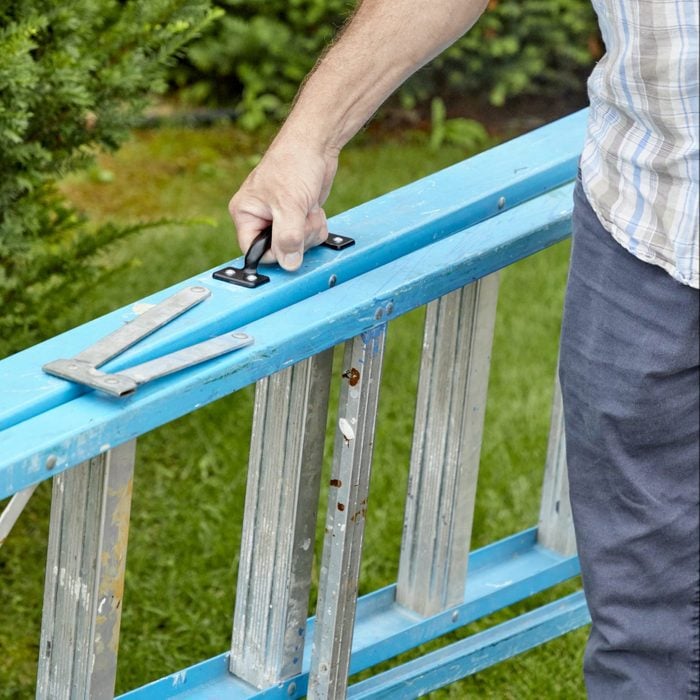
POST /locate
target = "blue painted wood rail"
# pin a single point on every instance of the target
(414, 245)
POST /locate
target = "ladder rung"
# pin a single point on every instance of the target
(500, 574)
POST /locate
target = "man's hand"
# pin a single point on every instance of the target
(384, 43)
(287, 189)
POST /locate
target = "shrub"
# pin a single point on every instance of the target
(258, 52)
(73, 77)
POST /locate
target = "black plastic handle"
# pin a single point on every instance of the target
(260, 245)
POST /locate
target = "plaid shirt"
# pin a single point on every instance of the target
(640, 160)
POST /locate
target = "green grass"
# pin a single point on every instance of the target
(190, 478)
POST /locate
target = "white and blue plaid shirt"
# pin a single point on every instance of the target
(640, 161)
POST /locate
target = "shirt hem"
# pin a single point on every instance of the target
(644, 254)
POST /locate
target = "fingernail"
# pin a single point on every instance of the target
(291, 260)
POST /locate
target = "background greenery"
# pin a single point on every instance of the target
(78, 238)
(73, 78)
(258, 52)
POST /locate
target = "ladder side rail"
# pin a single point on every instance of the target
(279, 525)
(346, 513)
(84, 584)
(386, 228)
(556, 526)
(447, 437)
(64, 436)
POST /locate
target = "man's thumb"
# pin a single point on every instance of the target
(288, 238)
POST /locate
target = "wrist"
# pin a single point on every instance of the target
(308, 135)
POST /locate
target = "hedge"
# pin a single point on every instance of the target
(258, 52)
(73, 77)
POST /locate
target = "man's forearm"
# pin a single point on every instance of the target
(384, 43)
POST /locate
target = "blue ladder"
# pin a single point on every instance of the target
(439, 241)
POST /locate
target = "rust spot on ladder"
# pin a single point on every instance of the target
(336, 482)
(362, 511)
(352, 375)
(360, 514)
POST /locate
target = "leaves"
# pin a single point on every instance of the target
(73, 77)
(258, 53)
(466, 133)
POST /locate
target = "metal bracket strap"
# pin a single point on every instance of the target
(82, 368)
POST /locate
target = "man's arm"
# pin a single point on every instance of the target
(384, 43)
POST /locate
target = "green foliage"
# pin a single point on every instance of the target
(73, 76)
(258, 53)
(467, 133)
(517, 47)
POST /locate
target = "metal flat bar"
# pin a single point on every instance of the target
(279, 524)
(143, 325)
(345, 518)
(13, 510)
(128, 380)
(187, 357)
(72, 432)
(501, 574)
(556, 524)
(450, 409)
(439, 668)
(385, 229)
(84, 584)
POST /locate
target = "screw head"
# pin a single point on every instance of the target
(379, 313)
(455, 616)
(51, 461)
(198, 290)
(229, 272)
(337, 239)
(251, 277)
(501, 202)
(292, 688)
(332, 281)
(111, 380)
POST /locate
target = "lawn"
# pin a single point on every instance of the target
(190, 478)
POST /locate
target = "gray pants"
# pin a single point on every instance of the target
(629, 374)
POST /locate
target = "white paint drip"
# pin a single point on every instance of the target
(139, 308)
(179, 678)
(346, 429)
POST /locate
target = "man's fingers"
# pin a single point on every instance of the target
(250, 219)
(316, 228)
(294, 231)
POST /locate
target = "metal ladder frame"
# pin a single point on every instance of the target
(272, 654)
